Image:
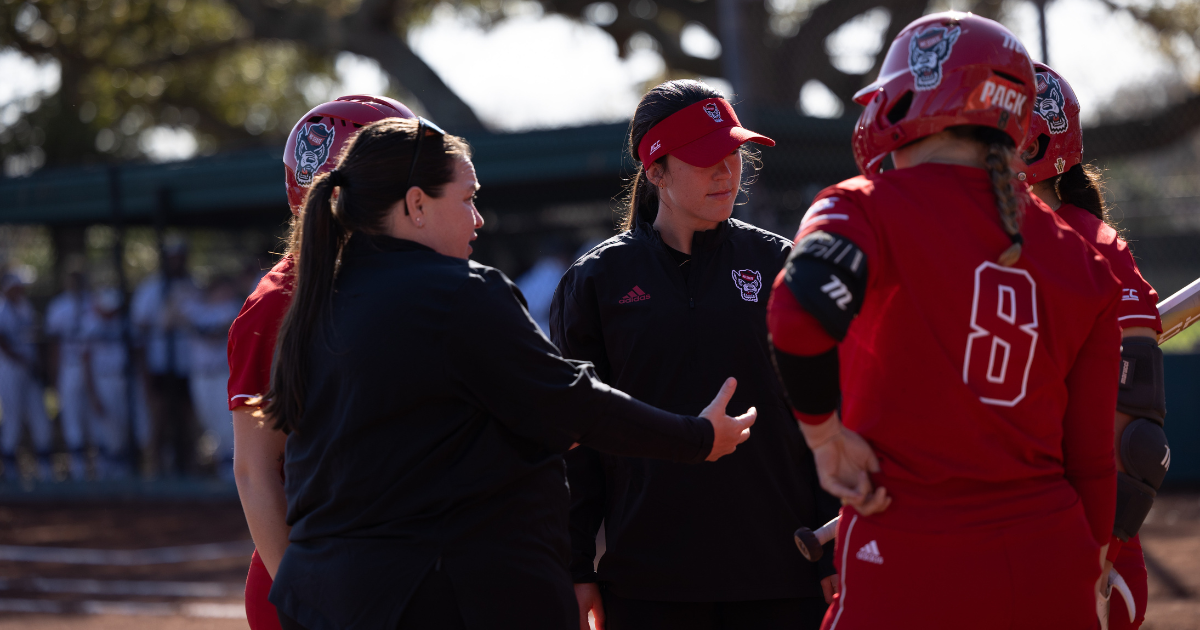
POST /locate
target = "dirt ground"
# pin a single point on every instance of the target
(1171, 538)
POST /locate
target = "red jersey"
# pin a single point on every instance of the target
(1139, 300)
(252, 335)
(986, 391)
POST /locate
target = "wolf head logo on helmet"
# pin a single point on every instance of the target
(749, 283)
(1050, 103)
(312, 151)
(926, 52)
(713, 112)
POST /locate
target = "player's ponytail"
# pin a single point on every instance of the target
(998, 162)
(999, 157)
(368, 187)
(316, 245)
(1083, 186)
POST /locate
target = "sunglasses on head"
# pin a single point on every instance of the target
(424, 126)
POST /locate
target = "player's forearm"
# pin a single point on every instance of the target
(266, 515)
(258, 452)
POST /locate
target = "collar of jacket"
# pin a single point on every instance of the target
(703, 243)
(361, 243)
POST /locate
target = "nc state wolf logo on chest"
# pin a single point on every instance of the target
(926, 52)
(312, 150)
(1050, 104)
(748, 282)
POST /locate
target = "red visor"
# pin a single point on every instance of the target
(701, 134)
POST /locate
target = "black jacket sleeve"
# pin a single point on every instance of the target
(496, 351)
(578, 334)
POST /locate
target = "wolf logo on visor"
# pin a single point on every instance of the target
(713, 112)
(749, 283)
(1050, 103)
(926, 52)
(312, 151)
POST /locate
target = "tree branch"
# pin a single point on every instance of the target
(363, 33)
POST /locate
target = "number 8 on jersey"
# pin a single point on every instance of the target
(1003, 334)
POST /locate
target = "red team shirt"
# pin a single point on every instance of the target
(251, 349)
(1139, 300)
(987, 392)
(1138, 307)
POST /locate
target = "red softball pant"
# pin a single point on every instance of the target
(1132, 567)
(1039, 573)
(260, 613)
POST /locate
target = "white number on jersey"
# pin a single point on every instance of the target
(1003, 334)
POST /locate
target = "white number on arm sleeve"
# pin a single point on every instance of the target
(1003, 334)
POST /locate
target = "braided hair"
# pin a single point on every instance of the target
(998, 161)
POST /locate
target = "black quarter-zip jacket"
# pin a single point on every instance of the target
(435, 418)
(717, 531)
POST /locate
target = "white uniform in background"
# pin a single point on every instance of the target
(107, 360)
(64, 320)
(21, 402)
(209, 372)
(538, 285)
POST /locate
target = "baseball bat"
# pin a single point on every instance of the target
(811, 544)
(1177, 313)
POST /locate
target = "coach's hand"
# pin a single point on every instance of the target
(843, 461)
(588, 596)
(727, 432)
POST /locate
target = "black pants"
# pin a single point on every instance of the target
(799, 613)
(432, 607)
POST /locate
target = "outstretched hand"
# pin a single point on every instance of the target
(843, 462)
(727, 432)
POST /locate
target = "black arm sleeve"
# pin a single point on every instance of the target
(586, 480)
(578, 334)
(518, 376)
(828, 275)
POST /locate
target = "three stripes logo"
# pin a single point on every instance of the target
(870, 553)
(636, 295)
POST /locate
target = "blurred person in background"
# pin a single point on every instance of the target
(538, 284)
(665, 311)
(107, 372)
(209, 318)
(21, 390)
(313, 146)
(162, 330)
(65, 317)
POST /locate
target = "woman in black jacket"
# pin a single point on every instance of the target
(427, 413)
(664, 310)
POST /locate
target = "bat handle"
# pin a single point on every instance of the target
(811, 544)
(828, 531)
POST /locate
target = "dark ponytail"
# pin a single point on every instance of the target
(998, 162)
(370, 180)
(641, 197)
(1083, 186)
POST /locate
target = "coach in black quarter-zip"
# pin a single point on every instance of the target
(666, 325)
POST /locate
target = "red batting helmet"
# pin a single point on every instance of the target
(1055, 126)
(943, 70)
(315, 142)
